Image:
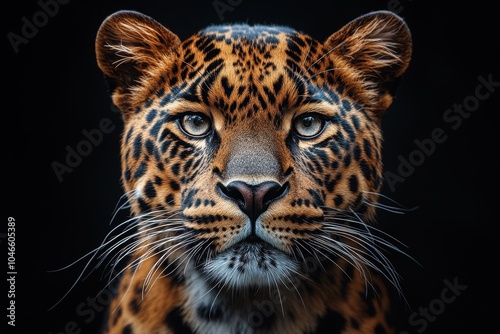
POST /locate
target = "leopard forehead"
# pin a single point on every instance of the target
(240, 71)
(248, 60)
(145, 61)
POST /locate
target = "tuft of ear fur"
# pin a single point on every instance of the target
(378, 45)
(129, 46)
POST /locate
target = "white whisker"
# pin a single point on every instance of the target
(360, 244)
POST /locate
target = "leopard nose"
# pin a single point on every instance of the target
(253, 200)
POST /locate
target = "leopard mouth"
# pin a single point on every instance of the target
(251, 262)
(253, 247)
(252, 240)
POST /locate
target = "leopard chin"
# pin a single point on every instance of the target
(251, 263)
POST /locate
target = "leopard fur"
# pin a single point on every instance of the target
(251, 161)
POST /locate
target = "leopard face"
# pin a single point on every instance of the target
(248, 150)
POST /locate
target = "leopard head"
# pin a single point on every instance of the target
(247, 149)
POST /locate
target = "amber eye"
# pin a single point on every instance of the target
(309, 125)
(195, 125)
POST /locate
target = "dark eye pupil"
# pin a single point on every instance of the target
(308, 121)
(197, 120)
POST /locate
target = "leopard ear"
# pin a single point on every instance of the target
(129, 46)
(379, 46)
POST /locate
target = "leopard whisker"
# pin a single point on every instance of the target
(314, 244)
(273, 278)
(133, 249)
(345, 252)
(366, 253)
(92, 254)
(136, 247)
(325, 71)
(349, 230)
(302, 70)
(338, 248)
(203, 75)
(118, 236)
(140, 239)
(150, 253)
(205, 253)
(218, 293)
(196, 251)
(395, 208)
(325, 54)
(370, 255)
(96, 250)
(118, 207)
(366, 239)
(126, 291)
(186, 256)
(296, 273)
(355, 219)
(167, 251)
(297, 289)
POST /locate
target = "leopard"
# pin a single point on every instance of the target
(251, 167)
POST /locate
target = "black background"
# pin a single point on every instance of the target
(53, 91)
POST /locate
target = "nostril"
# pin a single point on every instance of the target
(237, 193)
(253, 199)
(274, 192)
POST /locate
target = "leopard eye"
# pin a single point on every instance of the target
(309, 125)
(195, 125)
